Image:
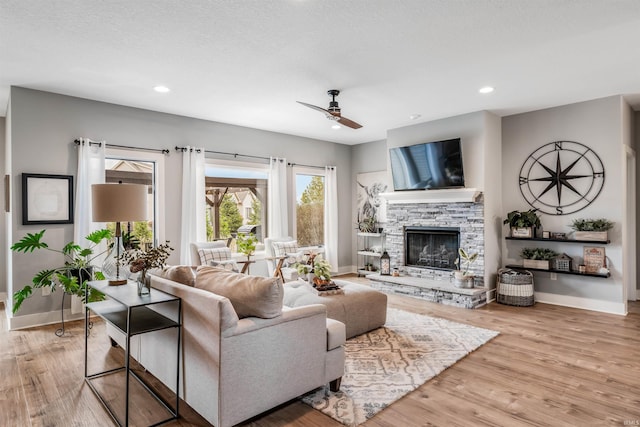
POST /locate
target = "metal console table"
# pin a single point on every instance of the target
(132, 315)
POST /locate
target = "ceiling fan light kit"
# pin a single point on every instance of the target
(333, 112)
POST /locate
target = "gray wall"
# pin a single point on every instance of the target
(44, 126)
(480, 134)
(597, 124)
(636, 141)
(3, 233)
(368, 157)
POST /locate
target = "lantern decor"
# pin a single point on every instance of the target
(385, 264)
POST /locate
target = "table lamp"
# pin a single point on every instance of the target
(118, 203)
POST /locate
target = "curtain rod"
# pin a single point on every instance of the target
(198, 150)
(128, 147)
(311, 166)
(182, 149)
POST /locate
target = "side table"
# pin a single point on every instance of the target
(132, 314)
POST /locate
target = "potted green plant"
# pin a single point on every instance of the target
(523, 223)
(463, 278)
(321, 270)
(538, 258)
(591, 229)
(247, 244)
(367, 225)
(72, 276)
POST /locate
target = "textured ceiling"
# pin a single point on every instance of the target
(247, 62)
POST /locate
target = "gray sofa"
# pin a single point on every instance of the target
(235, 368)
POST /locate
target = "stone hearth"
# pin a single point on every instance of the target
(431, 290)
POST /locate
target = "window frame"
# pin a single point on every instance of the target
(158, 161)
(251, 166)
(293, 201)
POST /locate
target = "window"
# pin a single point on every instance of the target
(309, 209)
(132, 167)
(236, 194)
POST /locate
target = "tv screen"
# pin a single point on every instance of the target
(426, 166)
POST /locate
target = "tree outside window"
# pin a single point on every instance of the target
(310, 210)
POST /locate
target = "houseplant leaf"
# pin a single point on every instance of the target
(29, 243)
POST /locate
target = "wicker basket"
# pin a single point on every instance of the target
(515, 287)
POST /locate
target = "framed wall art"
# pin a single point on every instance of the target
(594, 258)
(47, 199)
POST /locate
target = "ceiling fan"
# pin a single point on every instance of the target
(333, 112)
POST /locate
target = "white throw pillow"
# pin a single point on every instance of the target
(281, 249)
(214, 254)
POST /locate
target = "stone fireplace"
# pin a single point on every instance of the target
(422, 239)
(443, 220)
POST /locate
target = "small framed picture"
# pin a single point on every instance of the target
(594, 258)
(546, 235)
(558, 236)
(47, 199)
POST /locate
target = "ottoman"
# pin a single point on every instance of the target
(360, 308)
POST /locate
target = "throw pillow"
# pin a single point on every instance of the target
(214, 254)
(229, 265)
(251, 296)
(184, 274)
(284, 248)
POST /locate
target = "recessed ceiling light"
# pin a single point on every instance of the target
(486, 89)
(336, 126)
(161, 89)
(415, 116)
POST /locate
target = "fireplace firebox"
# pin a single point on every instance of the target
(431, 247)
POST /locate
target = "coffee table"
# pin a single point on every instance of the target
(360, 308)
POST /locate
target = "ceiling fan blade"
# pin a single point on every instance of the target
(314, 107)
(349, 123)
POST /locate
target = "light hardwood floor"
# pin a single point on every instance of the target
(550, 366)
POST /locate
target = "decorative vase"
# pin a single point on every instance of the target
(144, 287)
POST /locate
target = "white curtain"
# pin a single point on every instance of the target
(331, 216)
(91, 170)
(193, 202)
(277, 198)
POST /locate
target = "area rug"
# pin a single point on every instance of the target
(387, 363)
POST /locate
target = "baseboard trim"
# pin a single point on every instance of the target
(582, 303)
(40, 319)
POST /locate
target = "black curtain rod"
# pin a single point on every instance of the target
(310, 166)
(224, 153)
(128, 147)
(182, 149)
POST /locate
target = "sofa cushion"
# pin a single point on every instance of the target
(251, 296)
(214, 254)
(183, 274)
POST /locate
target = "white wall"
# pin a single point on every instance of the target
(598, 125)
(44, 126)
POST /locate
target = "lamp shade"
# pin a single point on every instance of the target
(119, 202)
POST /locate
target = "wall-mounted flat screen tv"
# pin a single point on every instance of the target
(430, 165)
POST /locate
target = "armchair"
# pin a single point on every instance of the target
(276, 252)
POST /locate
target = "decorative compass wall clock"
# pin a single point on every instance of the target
(561, 177)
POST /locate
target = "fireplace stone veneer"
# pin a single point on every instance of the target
(467, 217)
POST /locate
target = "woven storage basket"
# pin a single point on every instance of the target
(515, 287)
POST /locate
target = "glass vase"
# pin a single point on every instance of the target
(144, 287)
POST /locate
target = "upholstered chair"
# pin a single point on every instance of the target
(281, 251)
